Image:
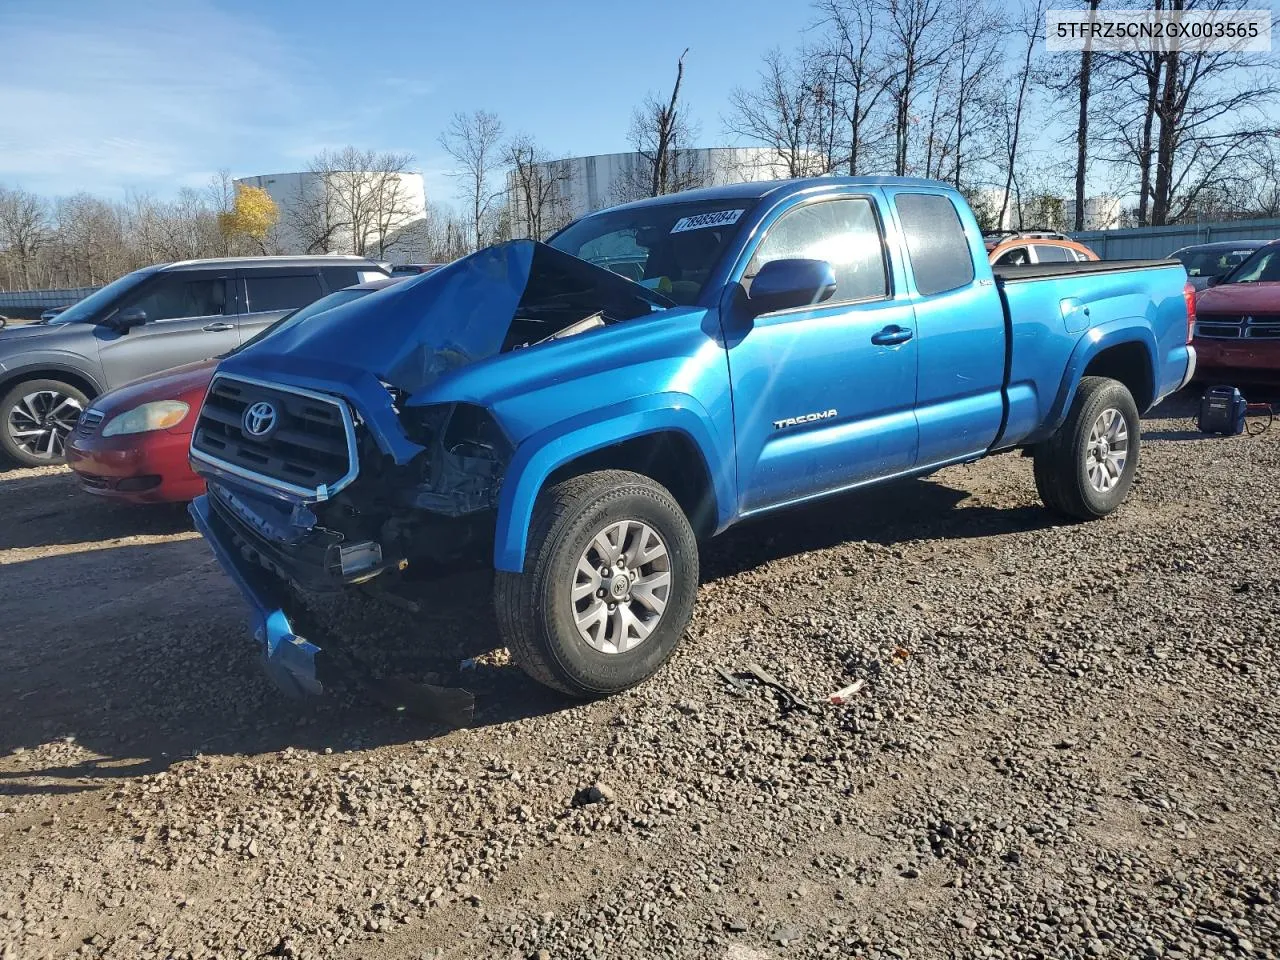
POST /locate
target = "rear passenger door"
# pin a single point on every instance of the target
(190, 315)
(959, 320)
(269, 294)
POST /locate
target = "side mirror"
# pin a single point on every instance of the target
(128, 318)
(783, 284)
(1213, 281)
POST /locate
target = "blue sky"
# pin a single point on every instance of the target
(113, 95)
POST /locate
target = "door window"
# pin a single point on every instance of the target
(1048, 254)
(936, 244)
(275, 292)
(176, 296)
(842, 232)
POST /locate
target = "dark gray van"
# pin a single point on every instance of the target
(147, 321)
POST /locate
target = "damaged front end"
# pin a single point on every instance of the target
(330, 458)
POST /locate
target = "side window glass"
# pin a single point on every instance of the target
(267, 293)
(1048, 254)
(1013, 258)
(936, 244)
(176, 297)
(842, 232)
(339, 277)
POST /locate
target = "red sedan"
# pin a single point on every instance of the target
(131, 444)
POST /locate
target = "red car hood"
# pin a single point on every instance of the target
(1239, 298)
(187, 383)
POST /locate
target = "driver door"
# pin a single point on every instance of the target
(824, 395)
(190, 315)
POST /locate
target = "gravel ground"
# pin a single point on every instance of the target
(1065, 744)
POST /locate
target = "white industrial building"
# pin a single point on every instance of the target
(1100, 213)
(310, 203)
(580, 185)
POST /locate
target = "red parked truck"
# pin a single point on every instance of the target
(1237, 331)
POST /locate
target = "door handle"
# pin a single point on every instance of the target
(891, 336)
(218, 327)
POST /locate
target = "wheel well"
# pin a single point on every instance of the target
(83, 384)
(1129, 364)
(671, 458)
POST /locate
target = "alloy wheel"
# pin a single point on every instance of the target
(621, 586)
(1107, 450)
(40, 421)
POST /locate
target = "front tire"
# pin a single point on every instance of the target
(1085, 470)
(36, 417)
(610, 578)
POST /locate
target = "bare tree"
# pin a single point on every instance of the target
(789, 113)
(314, 217)
(660, 134)
(918, 43)
(24, 231)
(539, 206)
(1024, 36)
(393, 205)
(474, 141)
(862, 74)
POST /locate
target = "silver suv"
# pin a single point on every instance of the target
(147, 321)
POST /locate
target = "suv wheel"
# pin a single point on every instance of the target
(611, 573)
(1084, 471)
(35, 419)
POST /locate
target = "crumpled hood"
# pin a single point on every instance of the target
(411, 334)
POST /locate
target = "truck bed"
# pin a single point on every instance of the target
(1055, 311)
(1040, 271)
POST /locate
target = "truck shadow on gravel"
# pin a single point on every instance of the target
(117, 661)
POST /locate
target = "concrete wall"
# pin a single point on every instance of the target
(1156, 243)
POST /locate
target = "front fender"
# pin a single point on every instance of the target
(1102, 337)
(552, 447)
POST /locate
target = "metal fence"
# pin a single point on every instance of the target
(29, 304)
(1155, 243)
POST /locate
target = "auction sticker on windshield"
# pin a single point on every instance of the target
(719, 218)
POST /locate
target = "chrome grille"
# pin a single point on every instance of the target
(309, 450)
(1238, 327)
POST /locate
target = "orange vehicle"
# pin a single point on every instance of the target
(1014, 249)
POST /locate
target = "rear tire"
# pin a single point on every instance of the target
(584, 632)
(36, 417)
(1085, 470)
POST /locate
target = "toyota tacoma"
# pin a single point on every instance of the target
(582, 414)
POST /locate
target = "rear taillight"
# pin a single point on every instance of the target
(1189, 295)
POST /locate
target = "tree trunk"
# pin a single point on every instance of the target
(1082, 126)
(1162, 196)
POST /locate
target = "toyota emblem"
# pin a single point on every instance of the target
(259, 419)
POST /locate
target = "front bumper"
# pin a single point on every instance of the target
(143, 468)
(290, 660)
(1250, 360)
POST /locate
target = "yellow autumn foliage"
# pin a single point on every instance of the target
(253, 215)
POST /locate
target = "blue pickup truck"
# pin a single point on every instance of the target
(581, 414)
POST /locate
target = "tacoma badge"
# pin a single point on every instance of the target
(804, 418)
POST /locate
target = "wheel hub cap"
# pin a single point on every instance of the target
(621, 586)
(1108, 450)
